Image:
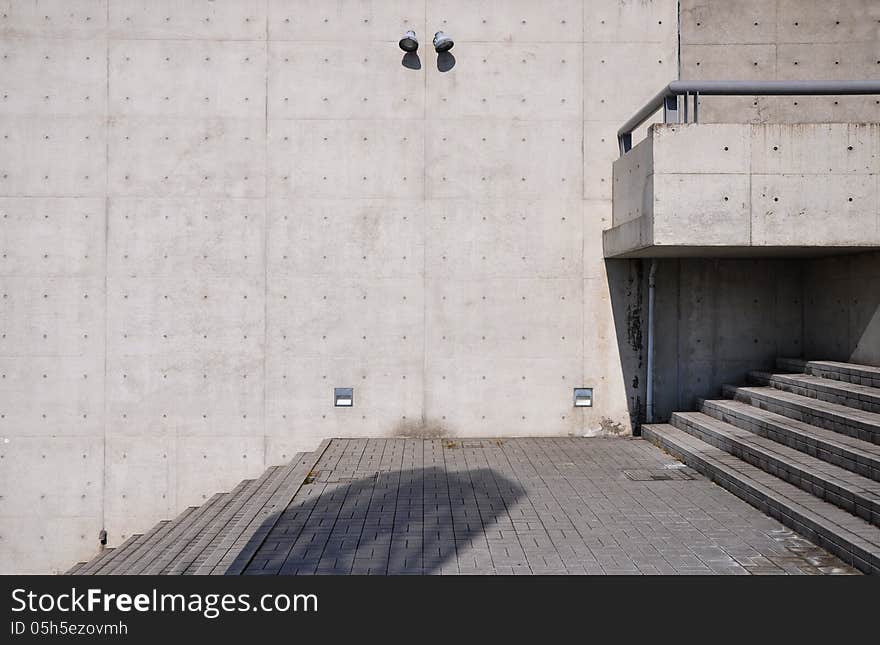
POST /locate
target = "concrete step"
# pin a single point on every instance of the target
(93, 565)
(134, 552)
(855, 455)
(849, 491)
(242, 551)
(122, 552)
(846, 372)
(831, 416)
(197, 550)
(850, 538)
(176, 529)
(860, 397)
(220, 536)
(200, 518)
(150, 551)
(251, 528)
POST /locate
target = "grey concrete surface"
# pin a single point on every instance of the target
(843, 321)
(527, 506)
(522, 506)
(691, 188)
(782, 40)
(213, 212)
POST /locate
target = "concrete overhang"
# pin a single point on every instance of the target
(747, 190)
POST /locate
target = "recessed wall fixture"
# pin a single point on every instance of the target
(409, 43)
(343, 397)
(442, 42)
(583, 397)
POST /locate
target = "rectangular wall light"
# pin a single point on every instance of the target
(583, 397)
(343, 397)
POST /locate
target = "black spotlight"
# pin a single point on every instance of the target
(409, 43)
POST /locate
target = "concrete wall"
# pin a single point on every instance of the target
(705, 189)
(842, 308)
(213, 212)
(784, 40)
(717, 319)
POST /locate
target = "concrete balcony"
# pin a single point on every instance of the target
(747, 190)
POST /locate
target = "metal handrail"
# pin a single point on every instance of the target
(667, 98)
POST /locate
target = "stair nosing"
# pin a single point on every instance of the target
(863, 451)
(833, 479)
(864, 544)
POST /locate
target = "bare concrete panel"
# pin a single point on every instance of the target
(52, 237)
(522, 397)
(463, 159)
(831, 210)
(510, 21)
(199, 19)
(547, 85)
(54, 77)
(717, 207)
(842, 308)
(53, 19)
(655, 21)
(822, 149)
(205, 464)
(382, 238)
(720, 22)
(720, 318)
(171, 237)
(152, 156)
(504, 238)
(344, 20)
(141, 483)
(388, 395)
(53, 314)
(597, 217)
(794, 185)
(600, 151)
(304, 158)
(782, 39)
(52, 157)
(376, 317)
(313, 81)
(52, 396)
(247, 159)
(72, 464)
(640, 64)
(496, 317)
(844, 21)
(687, 150)
(183, 79)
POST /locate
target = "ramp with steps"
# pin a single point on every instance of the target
(218, 537)
(802, 444)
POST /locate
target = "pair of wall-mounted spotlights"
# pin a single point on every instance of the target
(410, 44)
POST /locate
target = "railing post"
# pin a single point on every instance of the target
(668, 98)
(670, 109)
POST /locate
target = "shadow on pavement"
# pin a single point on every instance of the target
(394, 522)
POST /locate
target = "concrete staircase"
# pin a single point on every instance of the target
(217, 538)
(802, 444)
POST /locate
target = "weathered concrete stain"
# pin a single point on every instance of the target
(421, 429)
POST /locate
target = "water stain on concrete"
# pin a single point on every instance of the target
(421, 429)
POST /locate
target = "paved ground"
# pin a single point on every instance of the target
(523, 506)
